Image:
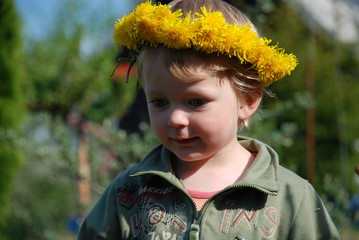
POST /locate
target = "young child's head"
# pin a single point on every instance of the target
(194, 42)
(190, 66)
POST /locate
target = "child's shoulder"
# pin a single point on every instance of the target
(290, 180)
(289, 175)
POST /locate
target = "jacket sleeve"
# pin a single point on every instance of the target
(312, 220)
(102, 222)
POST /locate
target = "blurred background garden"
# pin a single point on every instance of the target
(69, 123)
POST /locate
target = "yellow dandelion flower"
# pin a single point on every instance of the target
(177, 35)
(147, 28)
(208, 33)
(163, 12)
(144, 9)
(124, 34)
(211, 19)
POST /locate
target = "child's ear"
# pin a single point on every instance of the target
(249, 104)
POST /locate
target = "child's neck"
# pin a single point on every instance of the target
(215, 173)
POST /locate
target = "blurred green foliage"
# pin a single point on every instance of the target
(11, 108)
(46, 188)
(333, 67)
(62, 75)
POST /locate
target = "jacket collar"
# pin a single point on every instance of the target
(262, 175)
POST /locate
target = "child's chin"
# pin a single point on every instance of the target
(188, 156)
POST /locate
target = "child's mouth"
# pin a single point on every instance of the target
(185, 141)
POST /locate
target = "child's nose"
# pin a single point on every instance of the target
(178, 118)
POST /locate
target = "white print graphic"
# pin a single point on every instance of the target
(155, 213)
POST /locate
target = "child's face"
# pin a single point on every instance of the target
(195, 120)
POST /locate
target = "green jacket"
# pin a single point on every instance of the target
(147, 201)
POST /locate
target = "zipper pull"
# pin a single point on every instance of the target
(194, 229)
(194, 232)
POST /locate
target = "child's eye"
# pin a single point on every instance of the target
(159, 103)
(196, 102)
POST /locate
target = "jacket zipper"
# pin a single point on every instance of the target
(243, 186)
(195, 228)
(237, 186)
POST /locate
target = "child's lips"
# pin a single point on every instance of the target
(185, 141)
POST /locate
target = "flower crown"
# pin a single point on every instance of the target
(208, 33)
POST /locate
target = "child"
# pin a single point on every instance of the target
(204, 71)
